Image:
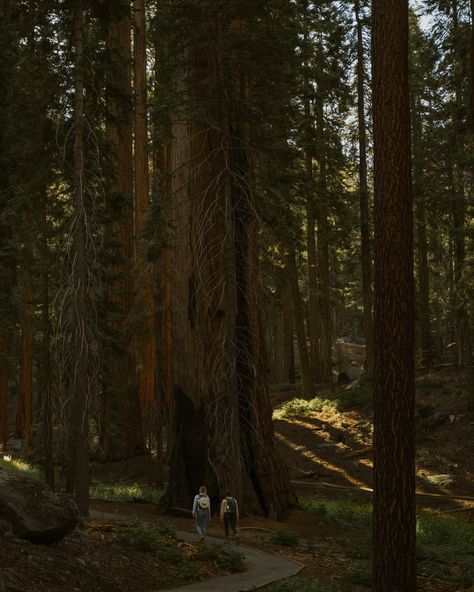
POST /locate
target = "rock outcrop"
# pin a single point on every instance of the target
(32, 511)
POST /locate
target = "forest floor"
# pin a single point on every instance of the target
(325, 442)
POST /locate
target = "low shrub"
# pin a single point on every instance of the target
(15, 465)
(120, 492)
(296, 407)
(285, 538)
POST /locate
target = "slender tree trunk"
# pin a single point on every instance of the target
(44, 388)
(299, 325)
(164, 274)
(471, 53)
(469, 348)
(322, 238)
(324, 298)
(366, 258)
(422, 246)
(314, 349)
(119, 133)
(459, 212)
(79, 413)
(3, 389)
(145, 271)
(313, 334)
(469, 337)
(394, 401)
(288, 346)
(24, 423)
(146, 298)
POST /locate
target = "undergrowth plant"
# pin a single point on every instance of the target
(296, 407)
(125, 493)
(440, 539)
(15, 465)
(286, 538)
(226, 558)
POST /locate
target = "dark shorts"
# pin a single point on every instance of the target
(230, 523)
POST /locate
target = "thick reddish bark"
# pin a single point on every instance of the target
(119, 134)
(146, 297)
(222, 423)
(394, 402)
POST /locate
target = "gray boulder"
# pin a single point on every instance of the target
(30, 510)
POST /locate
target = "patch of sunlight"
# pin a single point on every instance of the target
(319, 461)
(448, 537)
(15, 465)
(346, 513)
(304, 407)
(134, 492)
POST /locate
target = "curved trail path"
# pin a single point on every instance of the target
(263, 568)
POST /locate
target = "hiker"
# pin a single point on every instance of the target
(229, 514)
(202, 511)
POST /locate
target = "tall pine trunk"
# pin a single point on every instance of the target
(24, 416)
(459, 213)
(3, 388)
(324, 298)
(300, 329)
(422, 243)
(146, 298)
(122, 374)
(79, 420)
(164, 274)
(287, 330)
(366, 258)
(313, 332)
(322, 246)
(394, 394)
(45, 366)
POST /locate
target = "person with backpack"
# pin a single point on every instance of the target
(202, 511)
(229, 514)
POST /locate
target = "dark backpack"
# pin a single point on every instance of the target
(231, 506)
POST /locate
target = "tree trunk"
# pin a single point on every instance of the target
(123, 376)
(79, 413)
(3, 389)
(322, 238)
(394, 395)
(222, 422)
(459, 212)
(306, 387)
(45, 370)
(366, 259)
(471, 59)
(146, 298)
(469, 344)
(313, 333)
(422, 246)
(24, 424)
(287, 322)
(324, 298)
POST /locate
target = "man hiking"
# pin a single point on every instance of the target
(229, 514)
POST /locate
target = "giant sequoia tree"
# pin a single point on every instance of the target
(394, 403)
(222, 428)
